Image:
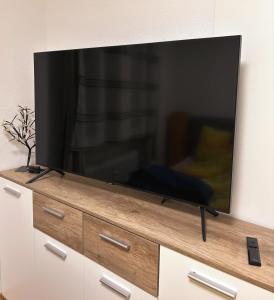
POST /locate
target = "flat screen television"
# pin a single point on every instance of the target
(157, 117)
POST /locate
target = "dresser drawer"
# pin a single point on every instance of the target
(126, 254)
(59, 270)
(102, 284)
(182, 277)
(58, 220)
(16, 241)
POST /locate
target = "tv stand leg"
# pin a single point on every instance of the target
(203, 223)
(43, 174)
(58, 171)
(212, 211)
(203, 211)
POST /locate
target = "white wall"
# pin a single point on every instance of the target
(86, 23)
(22, 27)
(253, 193)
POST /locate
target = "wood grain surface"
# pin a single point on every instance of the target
(173, 225)
(139, 264)
(68, 230)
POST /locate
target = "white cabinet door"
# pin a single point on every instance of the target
(101, 284)
(16, 241)
(184, 278)
(59, 270)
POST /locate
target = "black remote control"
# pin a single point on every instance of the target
(253, 252)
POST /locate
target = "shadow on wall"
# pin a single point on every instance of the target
(240, 132)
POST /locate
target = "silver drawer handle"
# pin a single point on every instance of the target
(114, 242)
(12, 191)
(213, 284)
(56, 213)
(56, 250)
(115, 286)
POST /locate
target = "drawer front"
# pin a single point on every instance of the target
(58, 220)
(126, 254)
(59, 270)
(101, 284)
(184, 278)
(16, 241)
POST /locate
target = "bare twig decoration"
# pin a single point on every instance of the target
(22, 129)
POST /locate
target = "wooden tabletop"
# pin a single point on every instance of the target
(172, 224)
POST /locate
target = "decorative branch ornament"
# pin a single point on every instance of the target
(22, 129)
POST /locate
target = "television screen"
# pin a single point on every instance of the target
(158, 117)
